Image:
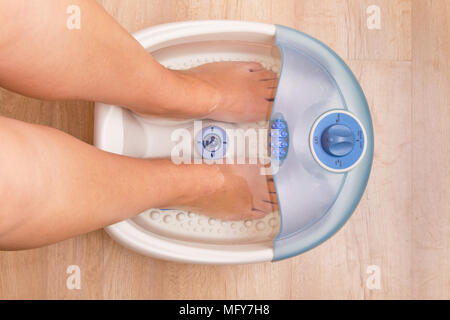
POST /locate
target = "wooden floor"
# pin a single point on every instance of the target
(402, 224)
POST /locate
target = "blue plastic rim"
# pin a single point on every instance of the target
(314, 201)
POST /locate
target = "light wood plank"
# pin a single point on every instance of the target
(391, 42)
(431, 156)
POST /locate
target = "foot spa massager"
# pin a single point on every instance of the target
(319, 136)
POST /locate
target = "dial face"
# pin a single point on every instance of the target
(337, 141)
(211, 143)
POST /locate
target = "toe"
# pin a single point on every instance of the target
(266, 75)
(257, 213)
(271, 187)
(264, 207)
(274, 199)
(270, 83)
(254, 66)
(269, 201)
(270, 93)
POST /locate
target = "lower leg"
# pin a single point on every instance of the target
(41, 57)
(54, 186)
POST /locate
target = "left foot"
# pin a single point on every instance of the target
(243, 91)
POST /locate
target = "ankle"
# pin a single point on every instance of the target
(196, 182)
(198, 98)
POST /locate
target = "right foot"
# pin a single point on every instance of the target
(244, 194)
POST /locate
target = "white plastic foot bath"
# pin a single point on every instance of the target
(323, 170)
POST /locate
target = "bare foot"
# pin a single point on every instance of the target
(243, 91)
(245, 194)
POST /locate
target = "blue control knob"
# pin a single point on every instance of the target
(338, 140)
